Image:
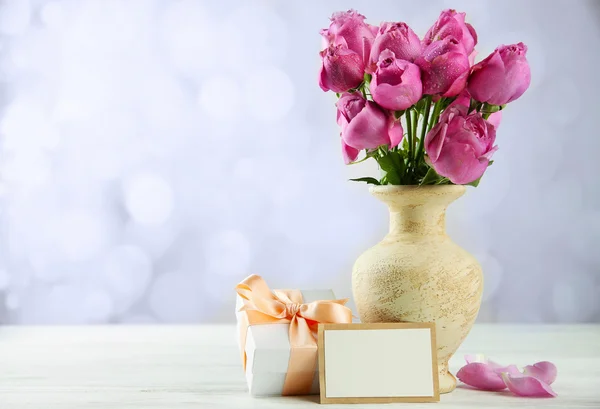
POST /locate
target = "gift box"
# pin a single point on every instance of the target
(277, 336)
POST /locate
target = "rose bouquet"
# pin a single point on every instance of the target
(420, 107)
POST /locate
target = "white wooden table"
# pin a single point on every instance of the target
(175, 367)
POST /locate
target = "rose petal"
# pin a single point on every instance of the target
(459, 164)
(472, 57)
(349, 153)
(485, 76)
(495, 119)
(510, 369)
(545, 371)
(524, 385)
(434, 141)
(488, 155)
(481, 376)
(493, 365)
(396, 132)
(368, 129)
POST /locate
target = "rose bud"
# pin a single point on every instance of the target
(365, 125)
(452, 24)
(502, 77)
(396, 84)
(398, 38)
(444, 67)
(341, 69)
(460, 146)
(349, 28)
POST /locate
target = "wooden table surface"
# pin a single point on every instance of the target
(175, 367)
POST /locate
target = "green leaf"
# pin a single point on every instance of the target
(386, 163)
(398, 114)
(420, 106)
(490, 163)
(405, 144)
(367, 78)
(402, 152)
(431, 178)
(370, 181)
(383, 150)
(398, 161)
(475, 183)
(445, 102)
(337, 94)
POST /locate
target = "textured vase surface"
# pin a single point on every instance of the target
(417, 273)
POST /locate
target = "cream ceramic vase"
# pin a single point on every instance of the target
(417, 273)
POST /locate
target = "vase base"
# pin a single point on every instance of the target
(446, 379)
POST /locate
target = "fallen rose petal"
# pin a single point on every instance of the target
(510, 369)
(481, 376)
(493, 365)
(524, 385)
(545, 371)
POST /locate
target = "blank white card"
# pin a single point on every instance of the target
(363, 362)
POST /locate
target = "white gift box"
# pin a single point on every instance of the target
(268, 351)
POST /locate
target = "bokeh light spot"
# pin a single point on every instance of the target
(148, 198)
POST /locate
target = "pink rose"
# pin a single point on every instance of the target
(349, 28)
(460, 146)
(502, 77)
(365, 125)
(397, 37)
(341, 69)
(452, 24)
(396, 84)
(445, 68)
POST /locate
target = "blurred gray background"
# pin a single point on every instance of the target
(154, 153)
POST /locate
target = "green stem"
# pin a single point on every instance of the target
(415, 125)
(420, 148)
(360, 161)
(409, 134)
(437, 109)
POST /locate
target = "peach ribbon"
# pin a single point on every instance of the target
(263, 306)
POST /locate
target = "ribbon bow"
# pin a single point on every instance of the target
(263, 306)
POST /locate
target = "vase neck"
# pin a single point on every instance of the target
(426, 220)
(418, 210)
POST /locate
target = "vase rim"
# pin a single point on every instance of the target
(401, 188)
(401, 195)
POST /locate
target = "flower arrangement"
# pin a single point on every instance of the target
(420, 107)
